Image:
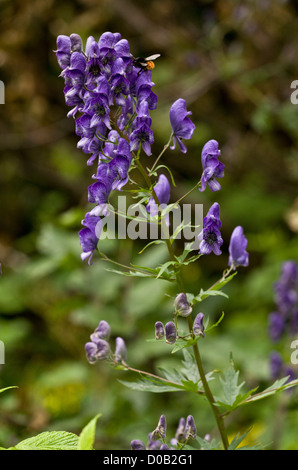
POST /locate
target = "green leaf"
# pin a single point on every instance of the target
(155, 386)
(204, 294)
(55, 440)
(154, 242)
(87, 436)
(277, 386)
(237, 440)
(223, 281)
(231, 388)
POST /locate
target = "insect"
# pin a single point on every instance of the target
(145, 64)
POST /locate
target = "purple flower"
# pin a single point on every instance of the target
(237, 248)
(182, 306)
(159, 330)
(103, 331)
(97, 351)
(89, 236)
(276, 326)
(162, 192)
(63, 51)
(180, 435)
(212, 168)
(160, 431)
(198, 326)
(137, 444)
(190, 427)
(120, 350)
(182, 126)
(171, 332)
(210, 237)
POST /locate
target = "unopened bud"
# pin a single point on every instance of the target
(76, 43)
(182, 306)
(103, 331)
(159, 330)
(120, 350)
(190, 427)
(171, 332)
(180, 435)
(136, 444)
(160, 431)
(97, 351)
(198, 326)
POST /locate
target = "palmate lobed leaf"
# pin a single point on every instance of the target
(54, 440)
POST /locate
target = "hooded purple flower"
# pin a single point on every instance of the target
(182, 126)
(120, 350)
(182, 306)
(159, 330)
(237, 248)
(210, 238)
(198, 325)
(97, 351)
(162, 191)
(171, 332)
(212, 168)
(89, 236)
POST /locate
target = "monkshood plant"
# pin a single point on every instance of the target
(111, 98)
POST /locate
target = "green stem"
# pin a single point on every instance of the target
(160, 155)
(180, 282)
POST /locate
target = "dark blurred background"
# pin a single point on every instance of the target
(233, 62)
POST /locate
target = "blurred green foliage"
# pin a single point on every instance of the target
(233, 62)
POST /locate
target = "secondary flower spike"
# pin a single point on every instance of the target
(212, 167)
(182, 126)
(237, 248)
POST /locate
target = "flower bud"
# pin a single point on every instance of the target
(76, 43)
(97, 351)
(160, 431)
(171, 332)
(120, 350)
(190, 428)
(180, 435)
(103, 331)
(136, 444)
(159, 330)
(198, 327)
(182, 306)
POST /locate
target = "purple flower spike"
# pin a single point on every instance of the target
(238, 244)
(182, 126)
(120, 351)
(171, 332)
(212, 167)
(198, 326)
(210, 237)
(159, 330)
(182, 306)
(137, 444)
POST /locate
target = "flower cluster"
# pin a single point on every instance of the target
(110, 95)
(186, 430)
(170, 333)
(284, 320)
(99, 348)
